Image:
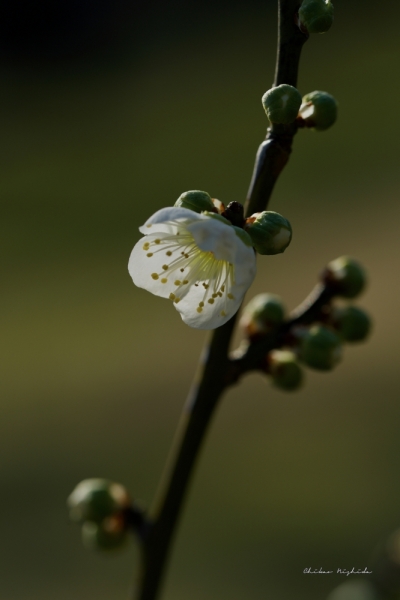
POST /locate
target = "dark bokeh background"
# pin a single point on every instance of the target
(109, 110)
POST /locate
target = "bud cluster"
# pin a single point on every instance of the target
(100, 506)
(315, 341)
(268, 232)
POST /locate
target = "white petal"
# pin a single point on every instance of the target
(216, 314)
(215, 236)
(147, 266)
(161, 220)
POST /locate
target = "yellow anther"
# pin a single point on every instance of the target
(172, 296)
(163, 280)
(154, 275)
(223, 288)
(186, 255)
(219, 294)
(199, 309)
(215, 295)
(205, 286)
(169, 253)
(231, 296)
(157, 241)
(181, 270)
(223, 313)
(148, 225)
(149, 254)
(165, 267)
(146, 246)
(210, 301)
(177, 282)
(185, 281)
(201, 304)
(177, 300)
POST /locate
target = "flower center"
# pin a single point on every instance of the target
(187, 265)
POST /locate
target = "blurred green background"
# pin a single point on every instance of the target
(94, 371)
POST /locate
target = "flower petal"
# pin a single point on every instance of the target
(150, 265)
(163, 219)
(214, 236)
(217, 308)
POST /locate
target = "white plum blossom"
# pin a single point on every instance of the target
(197, 261)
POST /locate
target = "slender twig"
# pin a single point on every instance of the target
(215, 372)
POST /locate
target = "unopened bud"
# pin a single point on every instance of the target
(285, 370)
(96, 499)
(345, 277)
(352, 323)
(282, 103)
(262, 314)
(320, 348)
(270, 232)
(318, 110)
(196, 201)
(316, 16)
(110, 534)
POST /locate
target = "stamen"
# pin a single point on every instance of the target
(163, 280)
(169, 253)
(149, 254)
(177, 282)
(165, 267)
(154, 275)
(172, 296)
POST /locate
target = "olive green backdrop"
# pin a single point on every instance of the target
(95, 371)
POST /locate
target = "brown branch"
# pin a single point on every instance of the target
(215, 370)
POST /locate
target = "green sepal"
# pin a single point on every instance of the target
(243, 236)
(217, 217)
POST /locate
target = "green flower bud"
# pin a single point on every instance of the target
(316, 16)
(282, 103)
(285, 370)
(345, 277)
(352, 323)
(318, 110)
(108, 535)
(96, 499)
(262, 314)
(320, 348)
(270, 232)
(196, 201)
